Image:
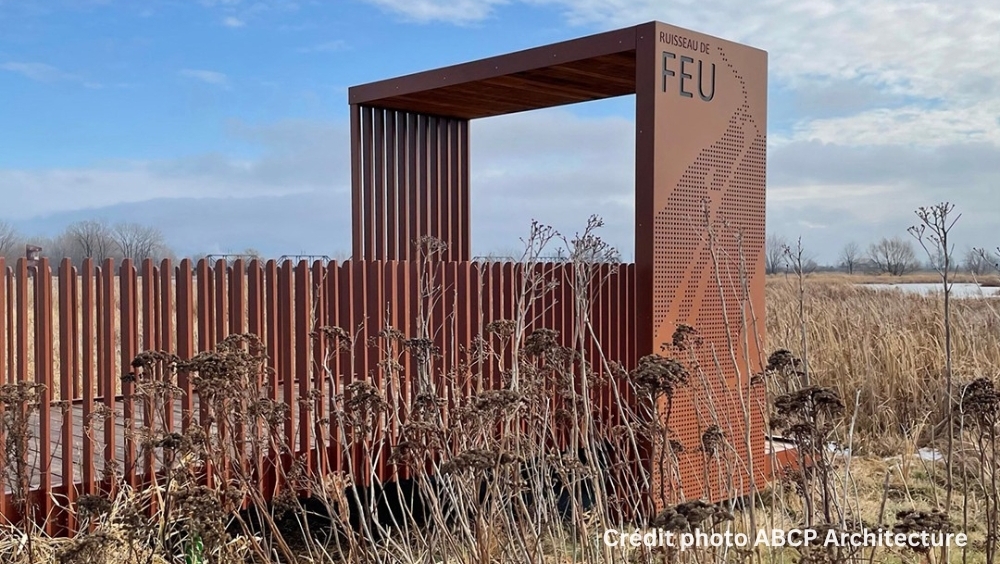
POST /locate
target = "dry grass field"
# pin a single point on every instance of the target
(886, 348)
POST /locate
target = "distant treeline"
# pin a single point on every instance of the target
(99, 240)
(889, 255)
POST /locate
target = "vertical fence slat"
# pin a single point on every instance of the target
(399, 202)
(348, 358)
(286, 363)
(508, 286)
(220, 278)
(434, 178)
(206, 339)
(237, 276)
(165, 307)
(372, 316)
(148, 342)
(238, 297)
(108, 371)
(360, 371)
(445, 195)
(445, 328)
(185, 339)
(220, 309)
(404, 306)
(255, 326)
(333, 320)
(275, 354)
(303, 357)
(74, 290)
(391, 202)
(423, 175)
(88, 301)
(367, 188)
(43, 375)
(463, 190)
(357, 159)
(319, 350)
(129, 314)
(379, 185)
(569, 317)
(455, 238)
(67, 354)
(462, 324)
(412, 183)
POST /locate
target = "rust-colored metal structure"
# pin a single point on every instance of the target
(700, 115)
(700, 139)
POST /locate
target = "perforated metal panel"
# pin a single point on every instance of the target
(708, 193)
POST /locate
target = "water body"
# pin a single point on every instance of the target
(957, 290)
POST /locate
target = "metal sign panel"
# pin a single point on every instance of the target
(702, 123)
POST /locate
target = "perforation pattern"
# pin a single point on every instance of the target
(719, 197)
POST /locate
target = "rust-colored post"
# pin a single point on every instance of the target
(378, 216)
(349, 357)
(391, 203)
(357, 210)
(434, 177)
(185, 339)
(67, 355)
(166, 342)
(424, 226)
(368, 204)
(129, 322)
(88, 297)
(303, 357)
(465, 192)
(286, 363)
(221, 301)
(109, 373)
(412, 185)
(255, 326)
(275, 354)
(333, 319)
(44, 376)
(148, 338)
(320, 347)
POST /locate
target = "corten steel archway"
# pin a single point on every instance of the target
(700, 114)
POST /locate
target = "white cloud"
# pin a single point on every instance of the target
(453, 11)
(38, 71)
(911, 125)
(296, 157)
(232, 21)
(206, 76)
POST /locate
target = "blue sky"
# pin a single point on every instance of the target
(223, 122)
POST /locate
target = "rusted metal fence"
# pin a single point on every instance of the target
(77, 331)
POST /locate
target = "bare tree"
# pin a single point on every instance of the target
(893, 256)
(850, 257)
(10, 241)
(137, 242)
(774, 254)
(90, 239)
(976, 262)
(936, 223)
